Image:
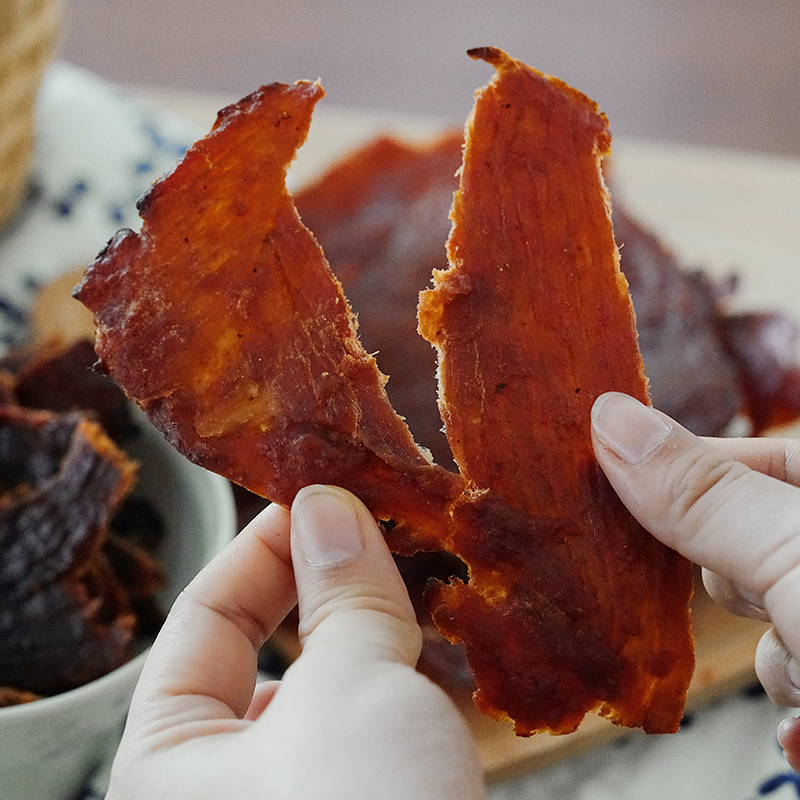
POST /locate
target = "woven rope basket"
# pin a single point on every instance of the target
(28, 34)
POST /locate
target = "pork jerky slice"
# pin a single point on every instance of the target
(223, 321)
(380, 215)
(150, 291)
(571, 605)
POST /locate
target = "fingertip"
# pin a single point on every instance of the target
(326, 525)
(271, 526)
(693, 496)
(347, 581)
(628, 428)
(789, 740)
(734, 597)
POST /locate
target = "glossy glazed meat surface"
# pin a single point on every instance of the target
(222, 319)
(532, 322)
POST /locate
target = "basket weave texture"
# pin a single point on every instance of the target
(28, 35)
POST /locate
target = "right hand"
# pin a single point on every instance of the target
(730, 505)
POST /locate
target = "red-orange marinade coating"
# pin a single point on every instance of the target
(223, 321)
(381, 216)
(571, 605)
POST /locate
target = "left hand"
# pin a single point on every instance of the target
(351, 718)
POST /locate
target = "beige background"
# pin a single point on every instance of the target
(716, 72)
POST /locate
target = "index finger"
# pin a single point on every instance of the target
(206, 652)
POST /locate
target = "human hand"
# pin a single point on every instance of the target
(350, 718)
(730, 505)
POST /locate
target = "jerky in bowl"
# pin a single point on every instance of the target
(50, 744)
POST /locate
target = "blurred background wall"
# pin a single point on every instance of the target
(710, 72)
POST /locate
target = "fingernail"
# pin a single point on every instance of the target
(326, 526)
(784, 729)
(629, 428)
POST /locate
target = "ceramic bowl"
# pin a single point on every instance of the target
(49, 747)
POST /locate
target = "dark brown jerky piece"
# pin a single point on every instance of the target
(62, 478)
(64, 616)
(11, 696)
(763, 345)
(65, 379)
(678, 316)
(139, 572)
(65, 635)
(7, 386)
(138, 521)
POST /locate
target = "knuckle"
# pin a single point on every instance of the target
(381, 613)
(697, 485)
(790, 463)
(733, 597)
(251, 626)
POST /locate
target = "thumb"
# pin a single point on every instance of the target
(352, 600)
(705, 504)
(696, 497)
(719, 513)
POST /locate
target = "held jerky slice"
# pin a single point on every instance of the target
(224, 322)
(532, 322)
(381, 216)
